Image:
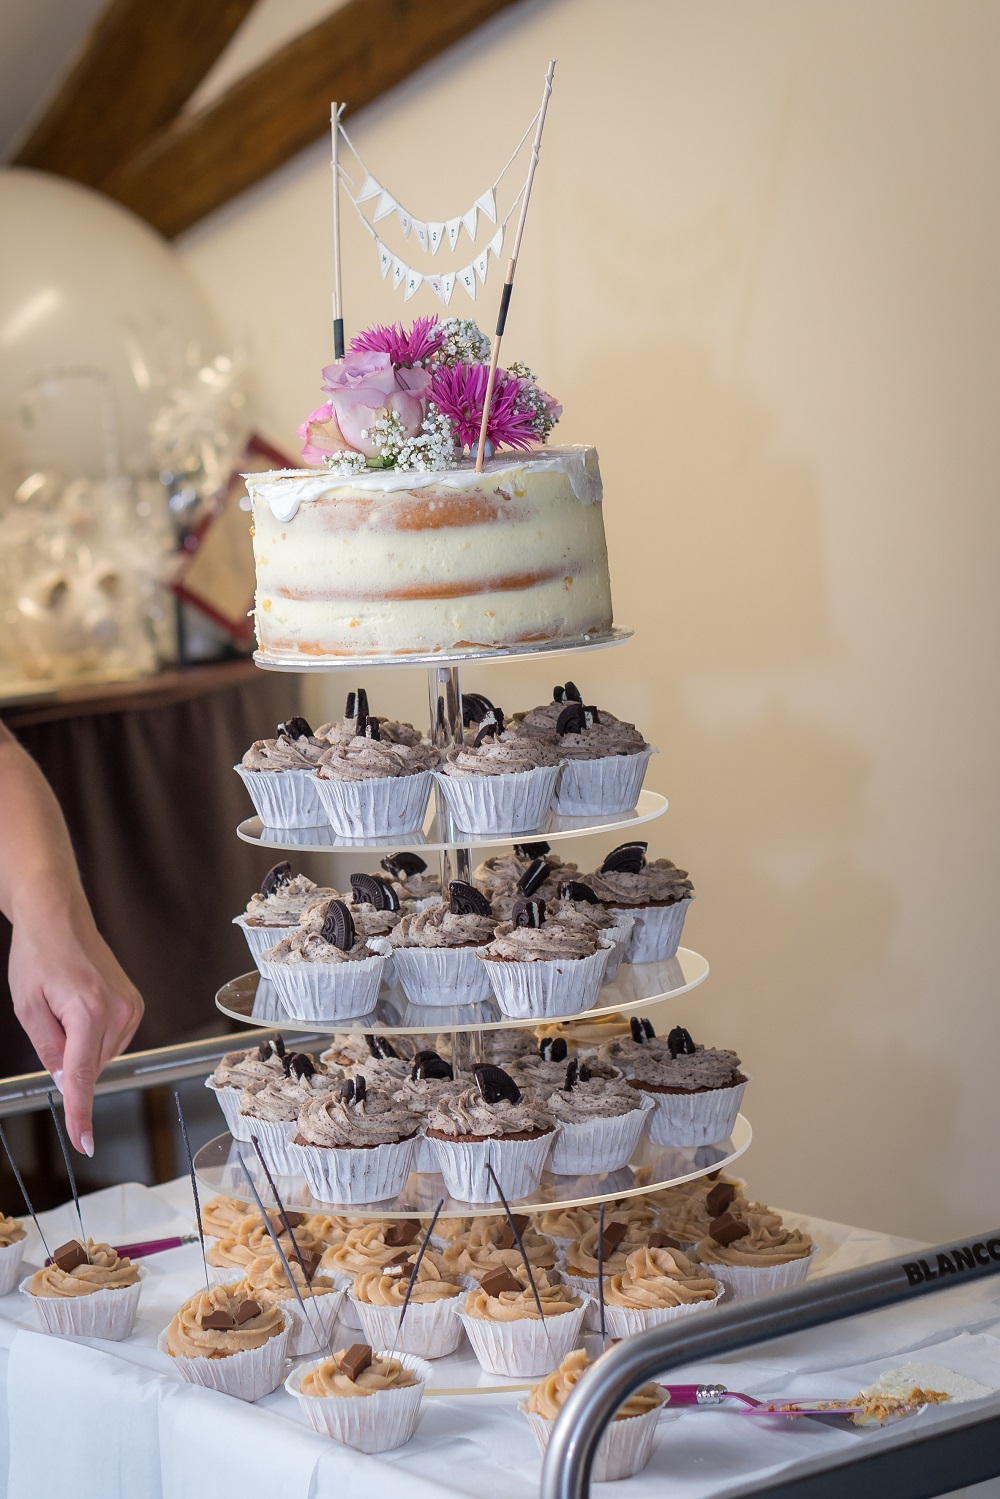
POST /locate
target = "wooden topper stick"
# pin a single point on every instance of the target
(336, 110)
(508, 285)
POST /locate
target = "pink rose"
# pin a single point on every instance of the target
(551, 405)
(365, 387)
(321, 436)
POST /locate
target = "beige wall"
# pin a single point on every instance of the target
(761, 274)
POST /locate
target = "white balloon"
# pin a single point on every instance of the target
(99, 319)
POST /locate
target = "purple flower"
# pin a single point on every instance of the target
(459, 390)
(416, 346)
(361, 389)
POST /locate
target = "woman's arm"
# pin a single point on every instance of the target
(70, 995)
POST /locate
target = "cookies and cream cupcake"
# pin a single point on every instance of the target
(489, 1124)
(431, 1328)
(326, 971)
(274, 911)
(413, 880)
(604, 762)
(434, 950)
(502, 783)
(355, 1146)
(540, 967)
(656, 894)
(500, 877)
(373, 788)
(88, 1290)
(428, 1079)
(502, 1322)
(696, 1090)
(626, 1443)
(600, 1122)
(240, 1070)
(361, 1397)
(750, 1249)
(357, 710)
(271, 1109)
(279, 774)
(12, 1236)
(225, 1340)
(657, 1285)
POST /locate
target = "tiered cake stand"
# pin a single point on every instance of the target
(251, 999)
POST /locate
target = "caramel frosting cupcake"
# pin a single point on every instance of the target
(102, 1270)
(11, 1231)
(389, 1288)
(330, 1229)
(447, 1230)
(220, 1216)
(654, 1279)
(763, 1241)
(489, 1245)
(431, 1327)
(331, 1378)
(687, 1212)
(371, 1246)
(566, 1224)
(225, 1340)
(501, 1319)
(620, 1239)
(627, 1442)
(12, 1237)
(231, 1256)
(267, 1283)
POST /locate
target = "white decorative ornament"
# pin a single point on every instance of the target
(496, 243)
(470, 220)
(434, 282)
(413, 280)
(435, 234)
(447, 286)
(405, 221)
(467, 277)
(371, 189)
(487, 204)
(386, 205)
(399, 270)
(420, 230)
(454, 229)
(481, 264)
(384, 259)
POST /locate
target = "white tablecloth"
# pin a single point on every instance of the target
(90, 1420)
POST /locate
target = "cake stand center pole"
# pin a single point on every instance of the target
(444, 691)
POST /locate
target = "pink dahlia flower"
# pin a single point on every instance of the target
(459, 390)
(402, 347)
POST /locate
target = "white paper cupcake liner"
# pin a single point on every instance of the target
(551, 989)
(10, 1266)
(431, 1329)
(593, 787)
(274, 1136)
(657, 931)
(261, 938)
(376, 808)
(322, 992)
(228, 1100)
(225, 1275)
(620, 934)
(424, 1156)
(311, 1333)
(626, 1321)
(686, 1119)
(527, 1347)
(348, 1175)
(743, 1281)
(248, 1375)
(370, 1423)
(584, 1285)
(599, 1144)
(515, 803)
(518, 1164)
(284, 798)
(451, 976)
(108, 1314)
(624, 1449)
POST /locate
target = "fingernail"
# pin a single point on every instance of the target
(87, 1143)
(57, 1078)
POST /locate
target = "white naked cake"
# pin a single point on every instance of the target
(411, 561)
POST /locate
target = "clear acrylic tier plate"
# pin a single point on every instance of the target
(652, 1168)
(598, 641)
(254, 1001)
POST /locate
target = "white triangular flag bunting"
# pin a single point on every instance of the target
(434, 282)
(405, 220)
(454, 228)
(371, 189)
(386, 205)
(413, 280)
(481, 264)
(420, 231)
(467, 277)
(435, 234)
(399, 270)
(496, 243)
(384, 258)
(488, 204)
(470, 220)
(447, 286)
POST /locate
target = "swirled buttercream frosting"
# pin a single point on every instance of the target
(516, 1306)
(608, 736)
(285, 905)
(329, 1379)
(769, 1242)
(553, 941)
(581, 1256)
(11, 1231)
(480, 1250)
(378, 1288)
(696, 1072)
(375, 759)
(598, 1098)
(439, 926)
(500, 755)
(281, 1099)
(332, 1121)
(187, 1338)
(267, 1282)
(240, 1069)
(549, 1396)
(105, 1272)
(250, 1240)
(655, 1278)
(284, 753)
(368, 1247)
(468, 1115)
(306, 946)
(659, 883)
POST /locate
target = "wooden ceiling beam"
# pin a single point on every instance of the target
(139, 65)
(357, 54)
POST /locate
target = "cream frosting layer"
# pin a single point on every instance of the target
(11, 1231)
(105, 1272)
(581, 1256)
(329, 1380)
(280, 1100)
(374, 759)
(332, 1121)
(305, 946)
(658, 882)
(769, 1242)
(479, 1250)
(267, 1282)
(549, 1395)
(598, 1098)
(380, 1288)
(655, 1278)
(365, 1248)
(241, 1069)
(186, 1338)
(468, 1113)
(439, 926)
(500, 755)
(707, 1068)
(284, 906)
(554, 940)
(520, 1306)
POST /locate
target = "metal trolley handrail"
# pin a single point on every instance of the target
(966, 1450)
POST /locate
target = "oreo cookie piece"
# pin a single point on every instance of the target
(534, 876)
(374, 890)
(577, 890)
(380, 1046)
(585, 1074)
(466, 900)
(351, 706)
(572, 1076)
(532, 850)
(295, 728)
(362, 703)
(301, 1066)
(277, 877)
(338, 926)
(366, 726)
(647, 1026)
(528, 912)
(573, 694)
(491, 726)
(545, 1047)
(627, 858)
(680, 1042)
(572, 719)
(428, 1064)
(474, 708)
(494, 1084)
(638, 1033)
(403, 866)
(560, 1051)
